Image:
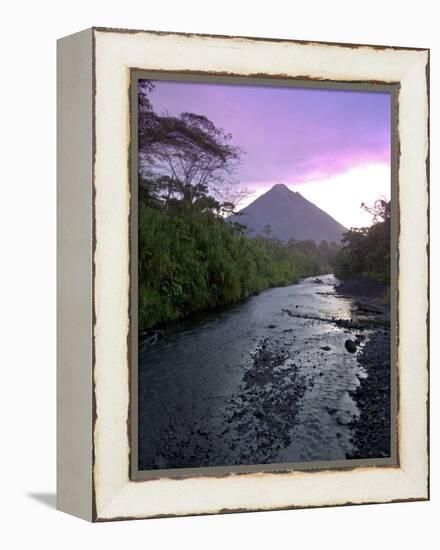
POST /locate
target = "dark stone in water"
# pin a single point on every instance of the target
(326, 348)
(350, 346)
(271, 326)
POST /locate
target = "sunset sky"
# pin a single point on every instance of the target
(332, 146)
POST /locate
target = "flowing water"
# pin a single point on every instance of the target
(262, 381)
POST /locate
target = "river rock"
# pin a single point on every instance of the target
(350, 346)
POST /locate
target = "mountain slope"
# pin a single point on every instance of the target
(290, 216)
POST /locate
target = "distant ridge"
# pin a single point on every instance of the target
(290, 216)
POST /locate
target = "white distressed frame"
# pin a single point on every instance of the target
(114, 495)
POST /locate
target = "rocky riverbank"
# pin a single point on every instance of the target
(372, 429)
(363, 287)
(260, 416)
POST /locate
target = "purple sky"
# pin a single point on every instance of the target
(290, 135)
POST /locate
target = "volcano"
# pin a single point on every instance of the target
(286, 214)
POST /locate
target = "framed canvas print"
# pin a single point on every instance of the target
(242, 274)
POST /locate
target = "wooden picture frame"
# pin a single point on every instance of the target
(97, 320)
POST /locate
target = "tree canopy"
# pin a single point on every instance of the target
(366, 250)
(184, 158)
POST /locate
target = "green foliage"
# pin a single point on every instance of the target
(366, 250)
(191, 263)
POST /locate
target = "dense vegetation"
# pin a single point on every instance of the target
(191, 257)
(366, 251)
(190, 264)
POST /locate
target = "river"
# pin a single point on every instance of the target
(263, 381)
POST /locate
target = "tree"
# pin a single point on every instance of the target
(185, 157)
(380, 211)
(366, 250)
(230, 193)
(144, 89)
